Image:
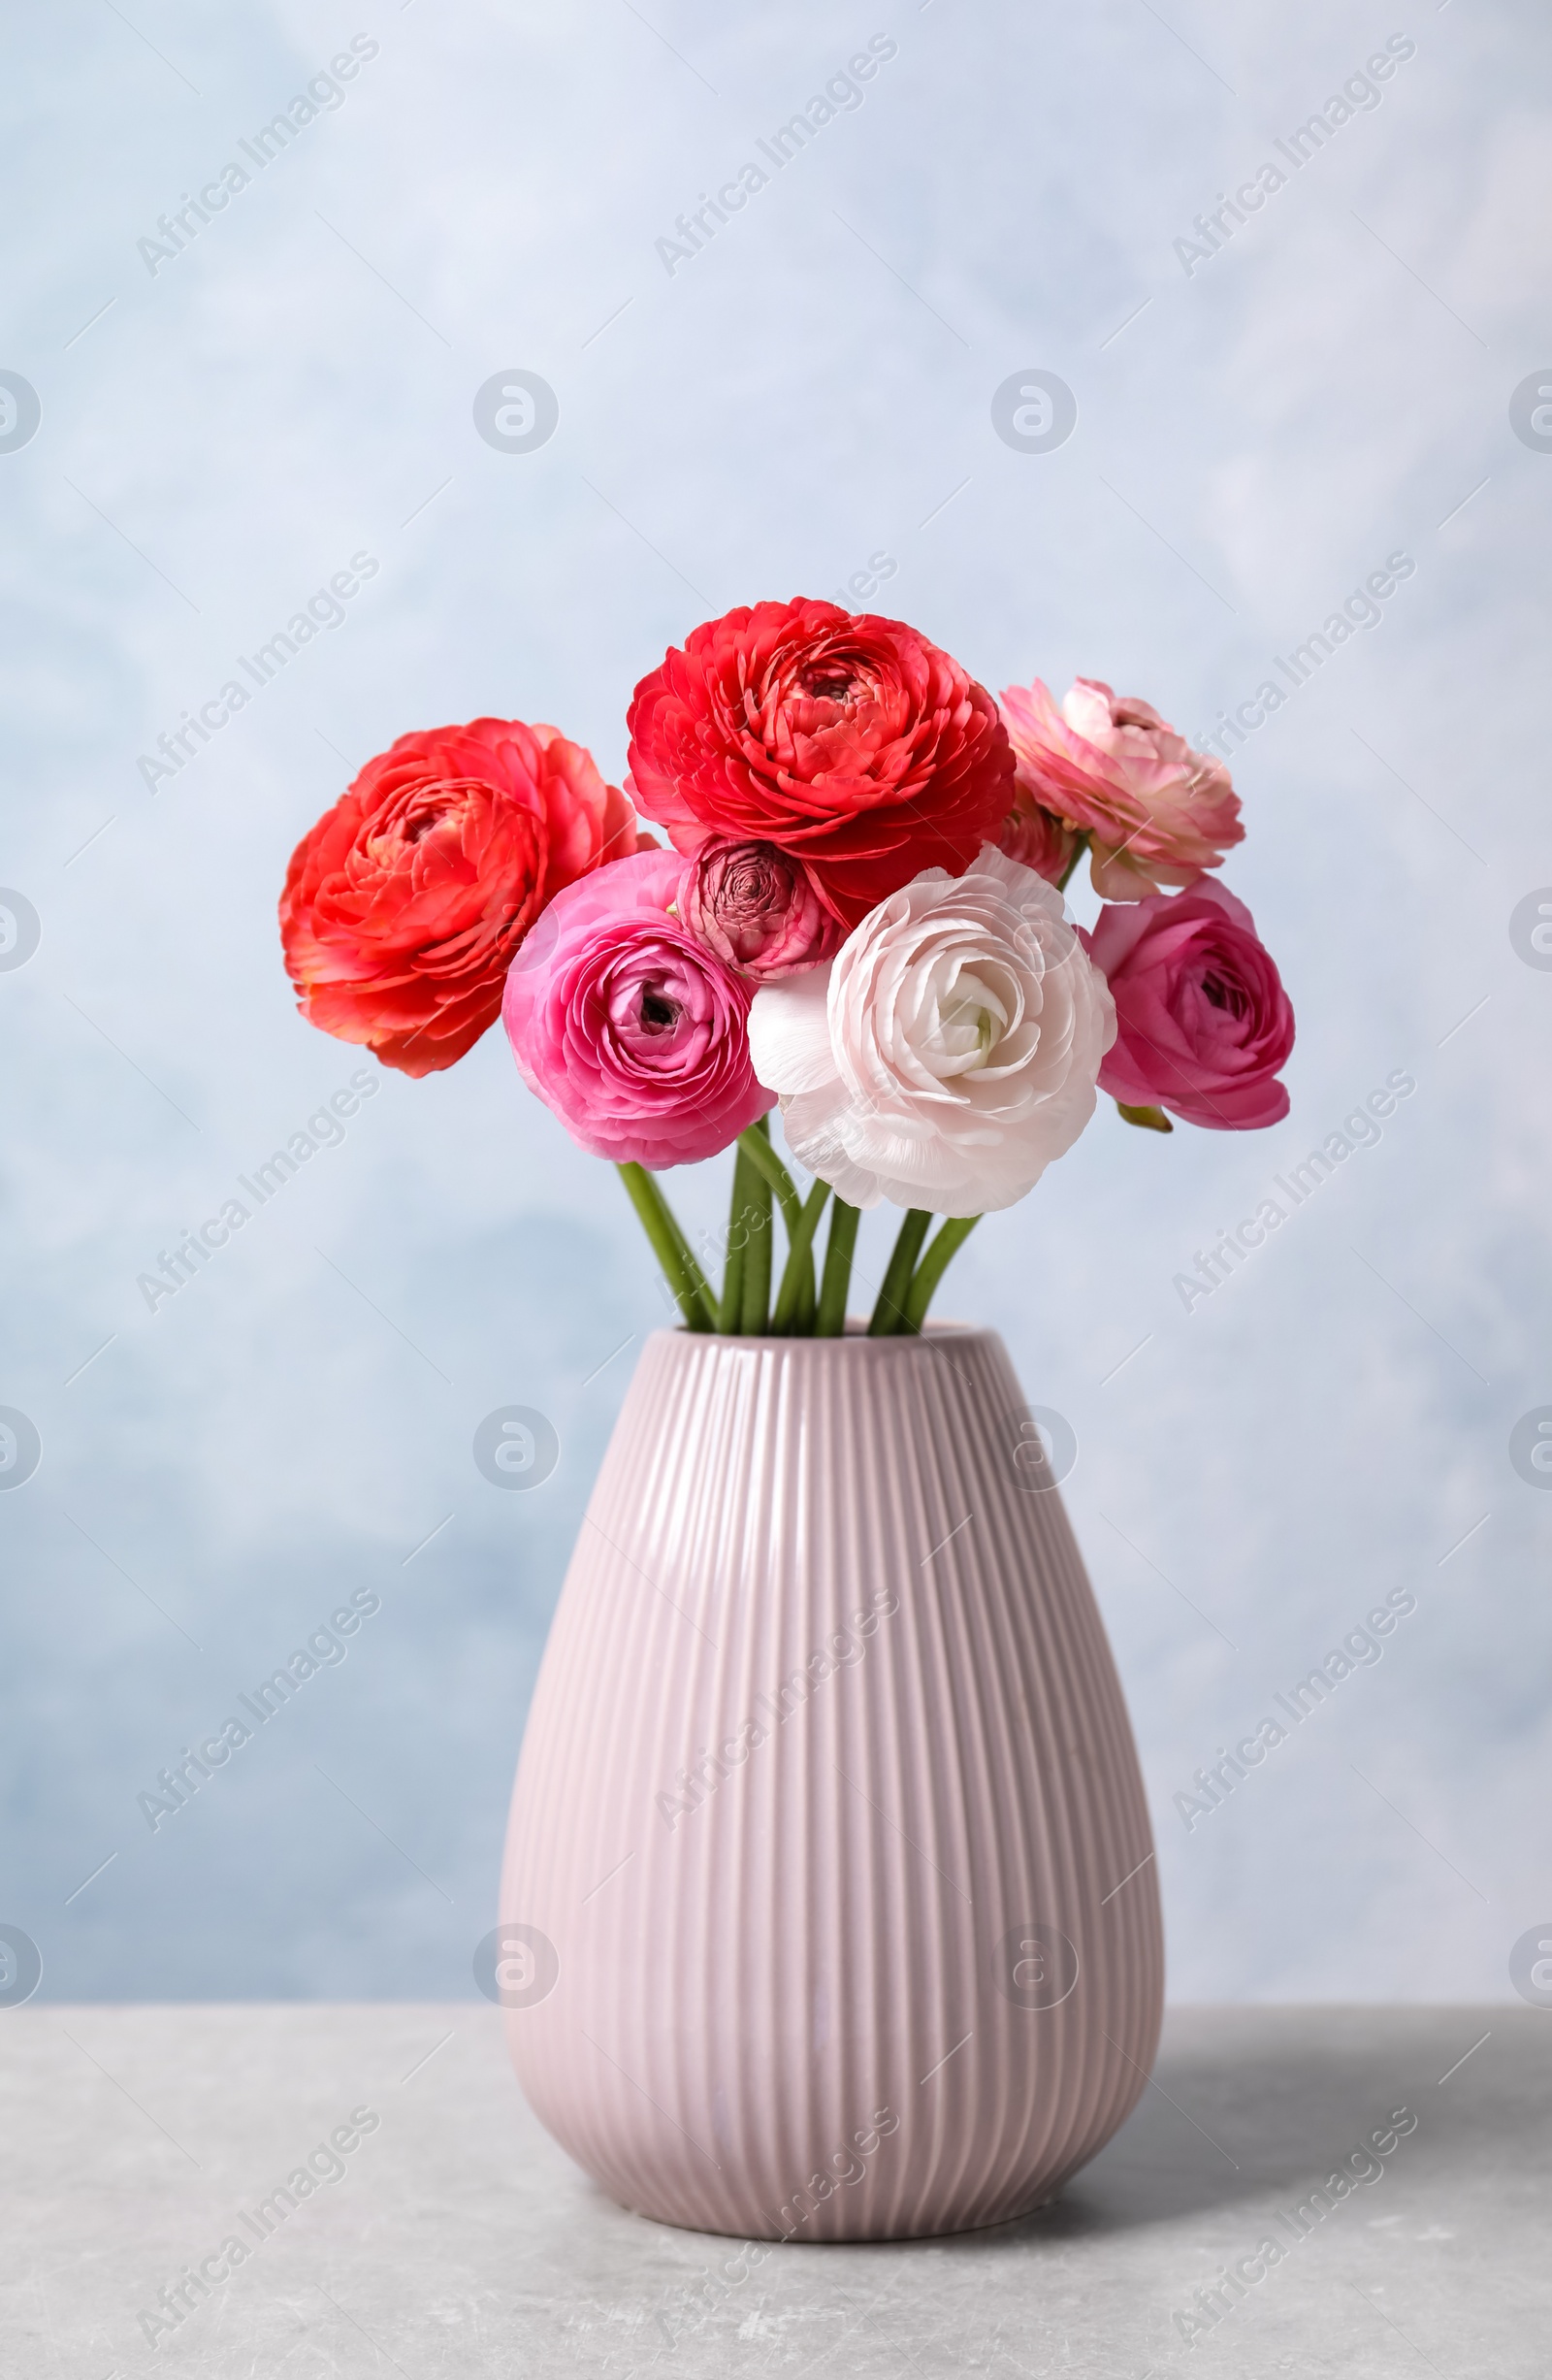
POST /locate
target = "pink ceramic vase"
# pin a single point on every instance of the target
(828, 1908)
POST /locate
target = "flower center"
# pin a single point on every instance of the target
(658, 1013)
(971, 1022)
(1225, 995)
(826, 681)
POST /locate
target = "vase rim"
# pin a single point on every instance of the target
(856, 1337)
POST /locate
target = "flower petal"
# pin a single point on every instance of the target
(789, 1035)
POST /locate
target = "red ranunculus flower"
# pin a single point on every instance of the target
(404, 903)
(842, 737)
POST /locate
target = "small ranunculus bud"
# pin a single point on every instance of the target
(1037, 838)
(758, 908)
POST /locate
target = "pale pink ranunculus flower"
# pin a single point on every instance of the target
(758, 908)
(1203, 1022)
(1158, 812)
(628, 1025)
(949, 1052)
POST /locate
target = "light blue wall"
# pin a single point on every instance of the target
(815, 387)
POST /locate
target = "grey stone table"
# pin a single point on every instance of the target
(451, 2236)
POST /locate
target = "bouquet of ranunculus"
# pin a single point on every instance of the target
(860, 918)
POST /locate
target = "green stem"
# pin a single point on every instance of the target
(671, 1248)
(732, 1277)
(755, 1146)
(888, 1313)
(699, 1285)
(830, 1320)
(797, 1291)
(932, 1267)
(1078, 849)
(761, 1225)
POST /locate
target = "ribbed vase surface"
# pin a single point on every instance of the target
(828, 1906)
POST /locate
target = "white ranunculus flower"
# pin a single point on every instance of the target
(947, 1052)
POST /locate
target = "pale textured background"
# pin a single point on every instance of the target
(808, 392)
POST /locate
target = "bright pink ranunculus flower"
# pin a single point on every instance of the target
(628, 1025)
(1158, 812)
(1202, 1021)
(843, 738)
(758, 908)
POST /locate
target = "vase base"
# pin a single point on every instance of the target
(863, 2238)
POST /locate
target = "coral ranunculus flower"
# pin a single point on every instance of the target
(1158, 812)
(842, 737)
(404, 903)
